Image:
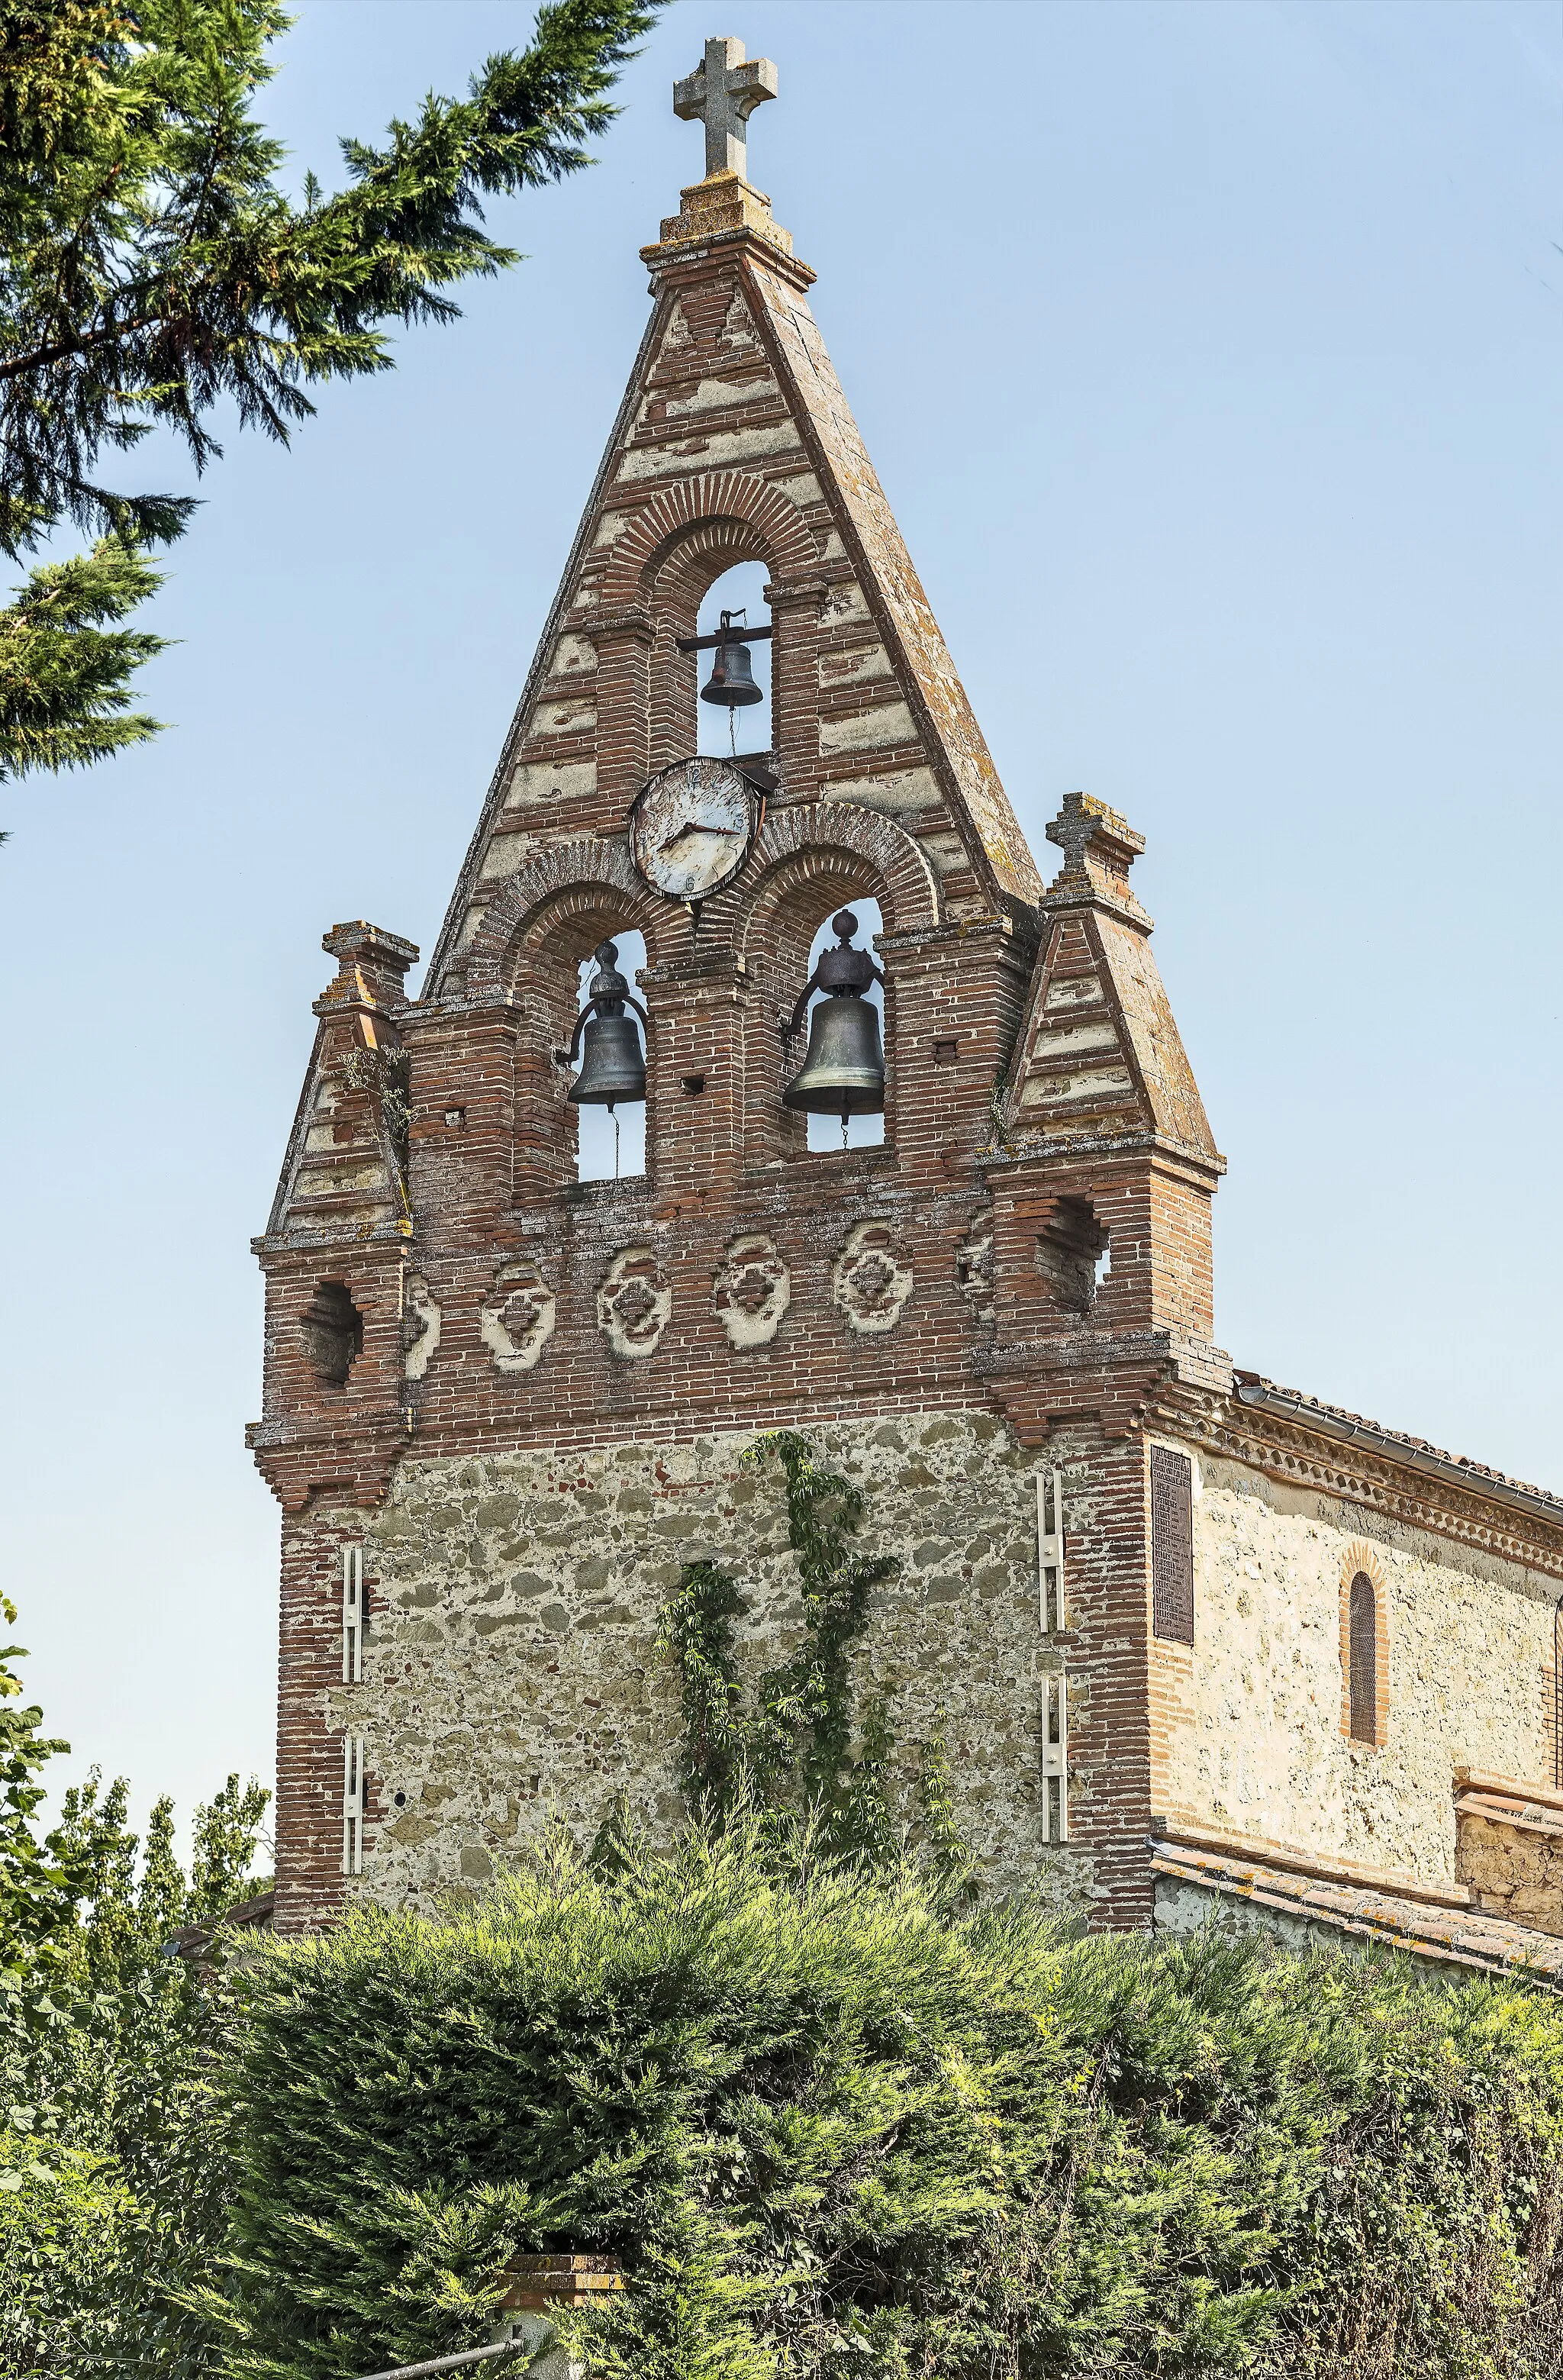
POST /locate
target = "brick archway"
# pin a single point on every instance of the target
(583, 876)
(795, 845)
(744, 510)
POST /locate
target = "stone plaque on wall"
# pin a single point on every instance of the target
(1172, 1600)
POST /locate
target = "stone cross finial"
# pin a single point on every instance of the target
(1098, 847)
(723, 91)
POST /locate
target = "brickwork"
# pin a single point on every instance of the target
(310, 1764)
(524, 1395)
(1364, 1716)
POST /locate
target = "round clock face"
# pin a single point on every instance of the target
(691, 828)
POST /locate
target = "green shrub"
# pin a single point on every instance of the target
(118, 2179)
(64, 2217)
(833, 2131)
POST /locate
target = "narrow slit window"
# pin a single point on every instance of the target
(1558, 1696)
(1172, 1582)
(1363, 1638)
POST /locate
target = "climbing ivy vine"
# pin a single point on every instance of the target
(795, 1750)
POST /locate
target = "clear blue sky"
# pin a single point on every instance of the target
(1209, 355)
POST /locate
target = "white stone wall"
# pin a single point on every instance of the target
(509, 1669)
(1261, 1750)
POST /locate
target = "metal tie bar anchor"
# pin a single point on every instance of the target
(1050, 1550)
(352, 1614)
(351, 1805)
(1053, 1614)
(1055, 1758)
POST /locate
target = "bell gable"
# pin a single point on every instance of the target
(734, 443)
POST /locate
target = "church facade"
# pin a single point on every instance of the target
(1194, 1641)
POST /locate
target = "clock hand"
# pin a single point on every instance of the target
(696, 828)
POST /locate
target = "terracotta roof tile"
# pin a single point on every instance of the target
(1462, 1937)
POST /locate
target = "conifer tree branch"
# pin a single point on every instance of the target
(152, 268)
(64, 674)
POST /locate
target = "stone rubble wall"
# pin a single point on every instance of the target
(1515, 1867)
(1263, 1749)
(510, 1673)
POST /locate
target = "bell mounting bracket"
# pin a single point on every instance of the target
(843, 972)
(609, 993)
(725, 636)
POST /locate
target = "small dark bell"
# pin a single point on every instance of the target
(612, 1064)
(612, 1067)
(844, 1071)
(732, 681)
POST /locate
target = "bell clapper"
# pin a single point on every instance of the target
(614, 1113)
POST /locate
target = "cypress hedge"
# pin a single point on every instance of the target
(834, 2127)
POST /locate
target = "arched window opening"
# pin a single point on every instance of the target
(1363, 1636)
(332, 1331)
(864, 1130)
(734, 729)
(610, 1142)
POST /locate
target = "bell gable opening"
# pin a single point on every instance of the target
(732, 706)
(837, 1059)
(607, 1092)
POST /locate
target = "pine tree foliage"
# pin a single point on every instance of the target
(835, 2134)
(64, 676)
(155, 268)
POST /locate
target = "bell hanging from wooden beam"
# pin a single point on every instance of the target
(732, 681)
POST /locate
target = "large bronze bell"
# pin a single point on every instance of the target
(843, 1073)
(732, 681)
(612, 1063)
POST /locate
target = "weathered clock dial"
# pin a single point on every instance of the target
(691, 828)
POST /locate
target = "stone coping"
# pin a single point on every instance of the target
(1487, 1782)
(1526, 1819)
(1293, 1860)
(1462, 1938)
